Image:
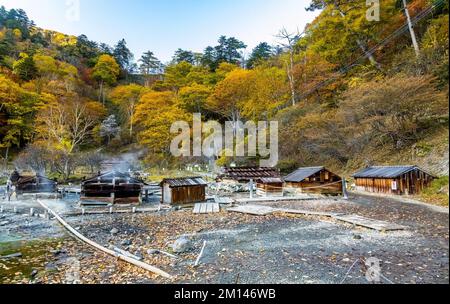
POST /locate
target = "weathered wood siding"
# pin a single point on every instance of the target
(410, 183)
(324, 182)
(272, 189)
(185, 195)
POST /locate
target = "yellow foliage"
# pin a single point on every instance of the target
(155, 114)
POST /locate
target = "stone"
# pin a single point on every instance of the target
(153, 251)
(182, 245)
(114, 231)
(357, 237)
(125, 243)
(34, 273)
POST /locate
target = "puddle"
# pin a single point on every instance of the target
(35, 255)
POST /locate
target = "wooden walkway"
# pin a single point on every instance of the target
(369, 223)
(253, 210)
(206, 208)
(352, 218)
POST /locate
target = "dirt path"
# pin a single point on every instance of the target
(271, 249)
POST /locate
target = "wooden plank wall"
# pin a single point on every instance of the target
(411, 183)
(188, 195)
(324, 182)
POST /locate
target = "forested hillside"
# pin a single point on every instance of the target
(347, 92)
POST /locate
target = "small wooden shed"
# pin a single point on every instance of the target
(112, 188)
(269, 187)
(183, 191)
(399, 180)
(33, 183)
(315, 180)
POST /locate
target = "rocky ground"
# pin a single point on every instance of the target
(245, 249)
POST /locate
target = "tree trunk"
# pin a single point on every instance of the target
(100, 96)
(359, 42)
(291, 77)
(5, 165)
(411, 29)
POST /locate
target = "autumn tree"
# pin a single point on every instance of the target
(230, 95)
(17, 109)
(194, 98)
(155, 114)
(65, 126)
(127, 98)
(105, 72)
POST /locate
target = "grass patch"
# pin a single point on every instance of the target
(437, 193)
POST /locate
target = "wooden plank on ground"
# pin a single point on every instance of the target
(306, 212)
(369, 223)
(223, 200)
(197, 208)
(253, 210)
(206, 208)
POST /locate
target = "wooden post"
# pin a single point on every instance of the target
(31, 212)
(251, 188)
(110, 210)
(133, 210)
(108, 251)
(15, 210)
(1, 209)
(344, 188)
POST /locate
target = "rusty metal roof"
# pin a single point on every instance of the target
(270, 180)
(386, 171)
(247, 173)
(300, 174)
(112, 175)
(184, 182)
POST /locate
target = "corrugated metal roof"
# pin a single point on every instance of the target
(111, 175)
(184, 182)
(270, 180)
(302, 173)
(386, 171)
(247, 173)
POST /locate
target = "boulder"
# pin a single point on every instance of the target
(182, 245)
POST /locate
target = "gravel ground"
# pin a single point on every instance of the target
(251, 249)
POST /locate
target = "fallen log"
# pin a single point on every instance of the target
(101, 248)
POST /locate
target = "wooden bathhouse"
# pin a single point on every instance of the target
(112, 188)
(399, 180)
(269, 187)
(245, 174)
(317, 180)
(183, 191)
(32, 183)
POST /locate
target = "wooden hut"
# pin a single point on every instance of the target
(183, 191)
(315, 180)
(269, 187)
(399, 180)
(112, 188)
(33, 183)
(245, 174)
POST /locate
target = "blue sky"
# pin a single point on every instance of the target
(163, 26)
